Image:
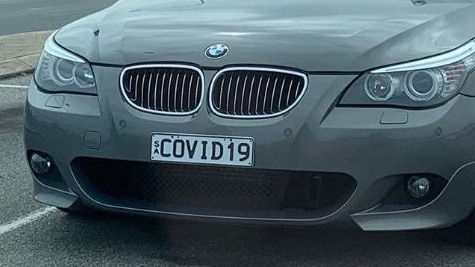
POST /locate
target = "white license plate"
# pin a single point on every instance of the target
(185, 148)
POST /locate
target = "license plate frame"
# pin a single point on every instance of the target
(203, 149)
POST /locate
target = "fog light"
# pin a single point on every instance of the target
(40, 164)
(418, 186)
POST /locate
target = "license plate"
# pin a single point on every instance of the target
(204, 149)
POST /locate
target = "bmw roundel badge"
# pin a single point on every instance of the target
(217, 51)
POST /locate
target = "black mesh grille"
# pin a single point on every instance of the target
(256, 92)
(163, 89)
(216, 187)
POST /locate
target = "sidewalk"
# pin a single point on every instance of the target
(19, 53)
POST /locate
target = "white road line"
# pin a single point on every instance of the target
(34, 216)
(13, 86)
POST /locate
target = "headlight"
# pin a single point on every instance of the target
(61, 71)
(422, 83)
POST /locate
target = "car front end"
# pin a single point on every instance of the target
(297, 117)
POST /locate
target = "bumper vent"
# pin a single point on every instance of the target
(163, 89)
(215, 189)
(212, 187)
(256, 92)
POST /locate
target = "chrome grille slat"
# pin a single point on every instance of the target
(136, 86)
(221, 94)
(273, 95)
(250, 94)
(229, 92)
(169, 90)
(243, 94)
(148, 91)
(289, 92)
(130, 84)
(163, 89)
(236, 89)
(155, 91)
(143, 85)
(182, 93)
(196, 97)
(162, 92)
(253, 92)
(265, 97)
(296, 90)
(189, 92)
(280, 94)
(258, 91)
(176, 92)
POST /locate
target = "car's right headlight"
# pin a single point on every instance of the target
(59, 70)
(419, 84)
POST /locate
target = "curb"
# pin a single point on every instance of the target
(17, 73)
(13, 67)
(20, 52)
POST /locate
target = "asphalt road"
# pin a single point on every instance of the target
(34, 15)
(58, 239)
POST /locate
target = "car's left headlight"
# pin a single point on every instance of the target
(419, 84)
(59, 70)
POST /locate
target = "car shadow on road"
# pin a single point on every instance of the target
(218, 244)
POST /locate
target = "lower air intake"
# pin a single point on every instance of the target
(219, 188)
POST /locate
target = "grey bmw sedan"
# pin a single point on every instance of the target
(294, 112)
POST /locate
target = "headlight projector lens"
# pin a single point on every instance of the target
(83, 76)
(63, 71)
(379, 87)
(423, 85)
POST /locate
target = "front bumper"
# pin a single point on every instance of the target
(375, 146)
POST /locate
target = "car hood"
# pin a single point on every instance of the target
(333, 36)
